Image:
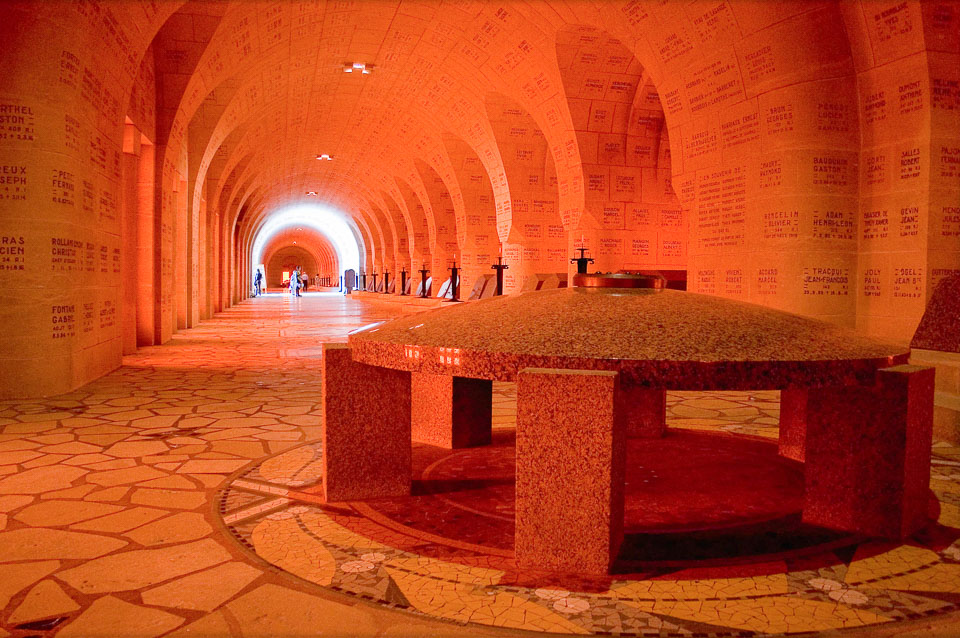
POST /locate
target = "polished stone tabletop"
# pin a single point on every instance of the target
(666, 338)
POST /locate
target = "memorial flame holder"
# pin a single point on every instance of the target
(423, 281)
(454, 283)
(499, 267)
(582, 261)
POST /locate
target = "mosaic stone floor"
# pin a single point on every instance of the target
(163, 499)
(417, 555)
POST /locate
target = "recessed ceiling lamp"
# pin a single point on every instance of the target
(358, 66)
(329, 158)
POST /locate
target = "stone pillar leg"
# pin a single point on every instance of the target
(366, 435)
(793, 423)
(571, 451)
(645, 411)
(868, 454)
(451, 412)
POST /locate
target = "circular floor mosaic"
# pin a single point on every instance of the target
(447, 552)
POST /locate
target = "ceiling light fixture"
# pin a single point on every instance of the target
(312, 193)
(358, 66)
(329, 158)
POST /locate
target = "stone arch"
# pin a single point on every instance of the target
(748, 114)
(811, 145)
(631, 217)
(537, 239)
(287, 259)
(444, 246)
(479, 242)
(303, 241)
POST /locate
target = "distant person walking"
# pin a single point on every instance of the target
(257, 283)
(306, 281)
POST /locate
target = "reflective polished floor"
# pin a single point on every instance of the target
(162, 500)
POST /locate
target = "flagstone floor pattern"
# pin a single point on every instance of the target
(371, 551)
(163, 499)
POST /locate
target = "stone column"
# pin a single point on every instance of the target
(366, 436)
(571, 453)
(147, 248)
(793, 423)
(129, 177)
(645, 411)
(868, 454)
(451, 412)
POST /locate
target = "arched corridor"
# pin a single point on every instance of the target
(765, 153)
(166, 436)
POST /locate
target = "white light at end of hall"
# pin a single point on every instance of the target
(325, 156)
(358, 66)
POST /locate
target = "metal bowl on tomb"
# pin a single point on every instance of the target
(653, 336)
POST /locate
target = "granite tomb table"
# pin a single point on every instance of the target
(592, 365)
